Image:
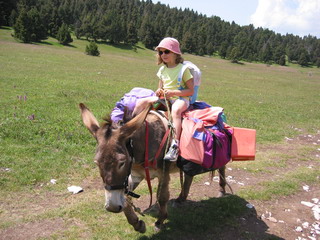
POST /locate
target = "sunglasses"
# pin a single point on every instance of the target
(164, 52)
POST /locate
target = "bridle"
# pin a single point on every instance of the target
(125, 184)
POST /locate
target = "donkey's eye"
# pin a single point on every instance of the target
(122, 164)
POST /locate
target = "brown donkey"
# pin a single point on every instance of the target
(120, 156)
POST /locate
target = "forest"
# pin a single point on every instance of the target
(131, 21)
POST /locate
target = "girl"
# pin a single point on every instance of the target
(177, 93)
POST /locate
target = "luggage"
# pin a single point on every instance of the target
(243, 147)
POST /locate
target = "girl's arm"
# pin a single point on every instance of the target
(159, 90)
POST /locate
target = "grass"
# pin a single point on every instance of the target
(47, 81)
(283, 186)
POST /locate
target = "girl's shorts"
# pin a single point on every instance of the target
(186, 100)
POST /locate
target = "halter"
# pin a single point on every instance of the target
(126, 180)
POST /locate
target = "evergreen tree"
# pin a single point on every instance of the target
(223, 49)
(37, 30)
(209, 48)
(187, 43)
(278, 55)
(303, 61)
(132, 34)
(92, 49)
(266, 53)
(22, 27)
(318, 63)
(235, 55)
(63, 35)
(282, 60)
(126, 21)
(13, 17)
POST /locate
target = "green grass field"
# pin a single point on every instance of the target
(47, 81)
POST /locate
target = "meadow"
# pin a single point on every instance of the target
(42, 136)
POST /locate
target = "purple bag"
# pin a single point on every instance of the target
(217, 149)
(129, 100)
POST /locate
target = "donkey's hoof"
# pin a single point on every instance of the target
(221, 194)
(141, 227)
(157, 227)
(180, 200)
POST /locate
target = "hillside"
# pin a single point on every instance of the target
(42, 138)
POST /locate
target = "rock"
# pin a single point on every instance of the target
(316, 212)
(75, 189)
(308, 204)
(305, 225)
(299, 229)
(53, 181)
(272, 219)
(306, 188)
(249, 205)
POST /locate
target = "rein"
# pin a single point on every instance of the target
(146, 157)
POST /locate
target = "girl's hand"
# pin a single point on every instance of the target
(169, 93)
(159, 92)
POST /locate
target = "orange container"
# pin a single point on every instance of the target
(243, 147)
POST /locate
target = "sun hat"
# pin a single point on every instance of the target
(171, 44)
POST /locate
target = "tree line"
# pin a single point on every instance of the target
(130, 21)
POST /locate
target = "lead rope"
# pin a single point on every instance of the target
(172, 130)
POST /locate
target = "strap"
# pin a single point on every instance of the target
(163, 141)
(184, 67)
(146, 163)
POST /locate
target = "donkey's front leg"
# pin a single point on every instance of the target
(163, 195)
(132, 218)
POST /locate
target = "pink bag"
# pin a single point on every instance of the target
(208, 148)
(192, 148)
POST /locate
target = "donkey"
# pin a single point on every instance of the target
(120, 157)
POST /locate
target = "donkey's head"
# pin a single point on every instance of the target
(112, 156)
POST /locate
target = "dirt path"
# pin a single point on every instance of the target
(286, 217)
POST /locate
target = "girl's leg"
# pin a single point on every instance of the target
(178, 107)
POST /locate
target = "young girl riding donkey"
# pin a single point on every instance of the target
(177, 92)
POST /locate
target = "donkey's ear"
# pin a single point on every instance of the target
(127, 130)
(89, 119)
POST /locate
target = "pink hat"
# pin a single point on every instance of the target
(171, 44)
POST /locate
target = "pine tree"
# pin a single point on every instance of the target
(63, 35)
(303, 61)
(92, 49)
(13, 17)
(132, 34)
(37, 30)
(22, 27)
(235, 55)
(318, 63)
(282, 60)
(223, 49)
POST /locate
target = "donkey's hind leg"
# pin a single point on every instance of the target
(185, 188)
(222, 181)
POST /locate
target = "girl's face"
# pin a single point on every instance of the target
(167, 56)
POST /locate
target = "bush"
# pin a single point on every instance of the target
(92, 49)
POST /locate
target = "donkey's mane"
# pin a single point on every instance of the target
(108, 124)
(107, 121)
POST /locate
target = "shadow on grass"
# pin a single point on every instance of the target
(215, 218)
(5, 27)
(122, 46)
